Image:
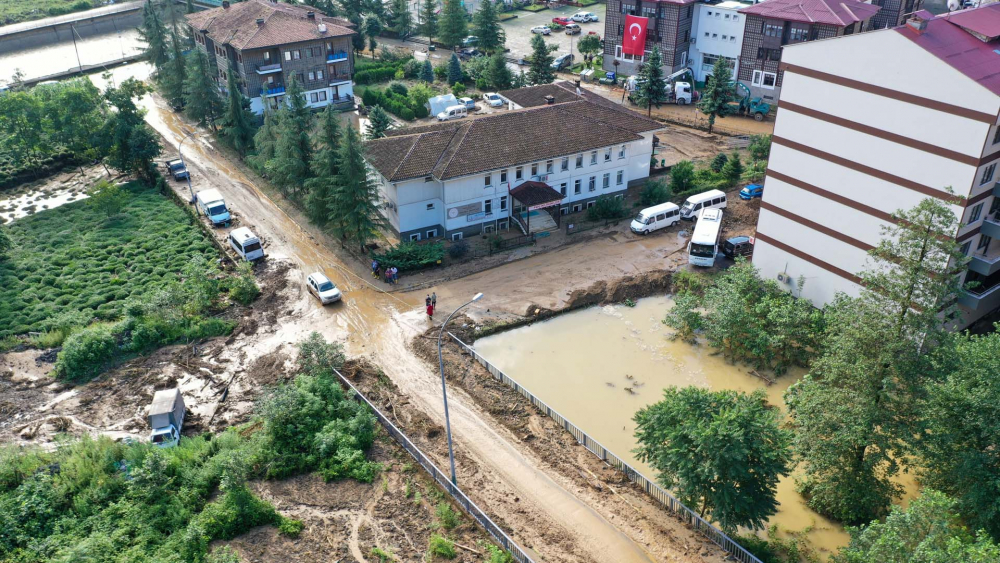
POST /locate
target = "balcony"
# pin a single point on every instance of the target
(985, 296)
(269, 69)
(339, 79)
(991, 226)
(336, 56)
(275, 90)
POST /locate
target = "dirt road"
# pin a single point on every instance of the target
(549, 517)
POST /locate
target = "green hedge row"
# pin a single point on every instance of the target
(402, 106)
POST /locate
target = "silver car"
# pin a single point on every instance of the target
(321, 286)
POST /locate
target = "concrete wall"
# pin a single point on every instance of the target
(59, 33)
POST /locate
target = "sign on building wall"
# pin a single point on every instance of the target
(467, 209)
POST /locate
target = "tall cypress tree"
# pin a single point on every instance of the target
(486, 26)
(325, 168)
(201, 95)
(454, 70)
(540, 70)
(719, 92)
(172, 79)
(652, 88)
(153, 33)
(265, 141)
(289, 169)
(355, 201)
(427, 71)
(497, 74)
(429, 19)
(378, 123)
(453, 26)
(238, 127)
(400, 18)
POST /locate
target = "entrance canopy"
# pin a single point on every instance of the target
(530, 197)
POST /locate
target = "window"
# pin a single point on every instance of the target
(322, 96)
(430, 206)
(768, 54)
(590, 204)
(329, 46)
(706, 34)
(965, 248)
(548, 166)
(593, 157)
(577, 208)
(313, 98)
(488, 206)
(487, 229)
(296, 55)
(606, 181)
(996, 136)
(763, 79)
(579, 161)
(267, 57)
(319, 75)
(414, 237)
(988, 173)
(501, 225)
(607, 154)
(503, 203)
(626, 57)
(798, 34)
(620, 177)
(300, 78)
(725, 17)
(976, 212)
(576, 187)
(773, 29)
(732, 39)
(518, 173)
(432, 233)
(736, 17)
(503, 176)
(312, 75)
(984, 243)
(270, 79)
(621, 152)
(592, 184)
(456, 236)
(715, 36)
(564, 166)
(690, 10)
(562, 189)
(488, 180)
(428, 179)
(534, 169)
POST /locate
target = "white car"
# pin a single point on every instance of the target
(543, 29)
(583, 17)
(493, 99)
(321, 286)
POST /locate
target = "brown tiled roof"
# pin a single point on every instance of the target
(283, 24)
(840, 13)
(533, 193)
(564, 92)
(459, 148)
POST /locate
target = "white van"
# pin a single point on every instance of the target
(704, 243)
(453, 112)
(246, 244)
(656, 218)
(211, 205)
(712, 199)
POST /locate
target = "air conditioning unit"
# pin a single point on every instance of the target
(783, 277)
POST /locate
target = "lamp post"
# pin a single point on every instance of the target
(444, 391)
(179, 153)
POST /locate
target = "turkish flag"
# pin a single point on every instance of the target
(634, 38)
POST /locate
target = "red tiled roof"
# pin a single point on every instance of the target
(841, 13)
(283, 24)
(948, 38)
(532, 193)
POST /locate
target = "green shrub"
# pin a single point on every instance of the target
(421, 111)
(407, 114)
(495, 554)
(224, 554)
(691, 282)
(410, 256)
(654, 192)
(382, 554)
(290, 528)
(243, 286)
(447, 518)
(398, 88)
(458, 249)
(87, 352)
(605, 208)
(440, 546)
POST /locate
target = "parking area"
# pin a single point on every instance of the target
(519, 30)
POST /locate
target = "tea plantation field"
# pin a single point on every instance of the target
(74, 260)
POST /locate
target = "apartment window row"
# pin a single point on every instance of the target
(549, 165)
(315, 97)
(727, 16)
(708, 61)
(766, 54)
(764, 79)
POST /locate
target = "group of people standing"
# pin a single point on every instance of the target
(388, 275)
(431, 302)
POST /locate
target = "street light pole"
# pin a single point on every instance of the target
(188, 172)
(444, 391)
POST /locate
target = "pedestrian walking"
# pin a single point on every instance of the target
(434, 299)
(430, 311)
(395, 275)
(427, 301)
(375, 266)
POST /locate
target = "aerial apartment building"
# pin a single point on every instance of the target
(859, 135)
(521, 169)
(267, 43)
(668, 26)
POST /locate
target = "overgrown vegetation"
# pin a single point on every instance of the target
(98, 500)
(410, 256)
(14, 11)
(606, 208)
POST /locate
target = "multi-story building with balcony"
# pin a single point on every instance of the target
(521, 169)
(893, 12)
(268, 43)
(669, 28)
(859, 135)
(774, 24)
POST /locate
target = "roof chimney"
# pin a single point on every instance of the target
(260, 22)
(322, 28)
(549, 100)
(225, 3)
(918, 21)
(311, 15)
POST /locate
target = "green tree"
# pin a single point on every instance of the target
(651, 88)
(378, 122)
(520, 79)
(589, 45)
(400, 20)
(732, 171)
(654, 192)
(684, 316)
(265, 141)
(153, 33)
(238, 122)
(718, 162)
(760, 147)
(427, 71)
(958, 446)
(928, 531)
(128, 142)
(373, 28)
(719, 93)
(189, 6)
(358, 39)
(324, 168)
(453, 26)
(856, 411)
(201, 95)
(454, 70)
(540, 69)
(289, 169)
(498, 75)
(22, 115)
(355, 200)
(486, 26)
(429, 19)
(74, 115)
(6, 243)
(720, 451)
(682, 177)
(108, 197)
(174, 74)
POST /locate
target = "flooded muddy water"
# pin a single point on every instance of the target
(583, 363)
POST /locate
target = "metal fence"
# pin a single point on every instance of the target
(442, 478)
(717, 536)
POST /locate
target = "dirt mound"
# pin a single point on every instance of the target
(740, 216)
(613, 291)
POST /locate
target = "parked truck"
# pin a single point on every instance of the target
(177, 169)
(211, 204)
(166, 418)
(678, 91)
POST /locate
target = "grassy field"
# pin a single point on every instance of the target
(73, 260)
(14, 11)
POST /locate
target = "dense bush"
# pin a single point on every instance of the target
(372, 71)
(458, 249)
(392, 100)
(654, 192)
(72, 260)
(410, 256)
(605, 208)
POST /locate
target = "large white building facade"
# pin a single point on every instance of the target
(859, 135)
(453, 179)
(717, 32)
